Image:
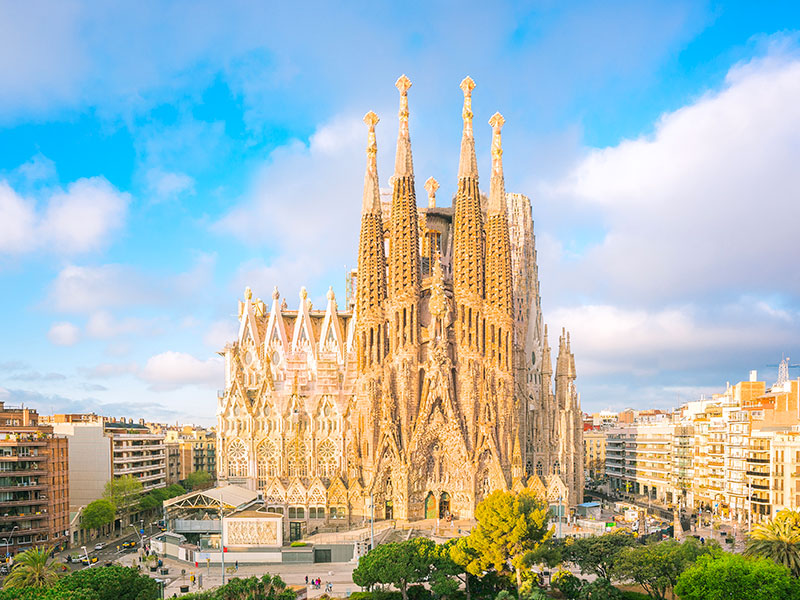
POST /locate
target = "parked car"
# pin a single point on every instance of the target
(98, 547)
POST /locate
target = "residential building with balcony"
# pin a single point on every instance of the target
(102, 448)
(639, 460)
(594, 446)
(34, 482)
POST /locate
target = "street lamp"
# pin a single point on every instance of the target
(8, 540)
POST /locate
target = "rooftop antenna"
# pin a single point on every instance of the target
(783, 369)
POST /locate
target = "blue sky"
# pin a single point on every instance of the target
(155, 158)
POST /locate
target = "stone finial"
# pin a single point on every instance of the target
(497, 122)
(371, 201)
(431, 185)
(248, 293)
(403, 164)
(330, 295)
(303, 293)
(497, 191)
(275, 293)
(467, 163)
(467, 85)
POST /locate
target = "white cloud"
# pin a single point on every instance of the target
(64, 334)
(84, 216)
(85, 289)
(75, 221)
(708, 203)
(220, 333)
(165, 185)
(170, 370)
(104, 325)
(17, 222)
(305, 205)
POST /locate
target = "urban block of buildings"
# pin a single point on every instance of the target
(735, 455)
(34, 482)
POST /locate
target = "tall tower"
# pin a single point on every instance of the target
(499, 309)
(371, 290)
(468, 276)
(404, 277)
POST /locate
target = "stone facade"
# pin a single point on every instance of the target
(432, 388)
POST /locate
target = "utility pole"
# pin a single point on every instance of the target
(221, 539)
(559, 516)
(372, 522)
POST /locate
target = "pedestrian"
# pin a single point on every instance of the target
(306, 579)
(236, 564)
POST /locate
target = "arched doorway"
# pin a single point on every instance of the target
(389, 509)
(444, 505)
(430, 506)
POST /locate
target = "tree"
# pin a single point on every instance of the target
(724, 576)
(449, 568)
(53, 593)
(112, 583)
(155, 498)
(509, 527)
(33, 568)
(656, 566)
(598, 554)
(600, 589)
(122, 491)
(398, 564)
(198, 480)
(97, 514)
(778, 540)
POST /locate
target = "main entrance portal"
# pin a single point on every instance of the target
(430, 506)
(444, 505)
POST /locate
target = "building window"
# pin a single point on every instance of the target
(297, 512)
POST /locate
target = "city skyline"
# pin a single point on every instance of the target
(154, 163)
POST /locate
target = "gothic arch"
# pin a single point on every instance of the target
(327, 459)
(237, 458)
(268, 460)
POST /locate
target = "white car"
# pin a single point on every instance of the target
(98, 546)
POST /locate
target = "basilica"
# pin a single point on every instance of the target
(431, 386)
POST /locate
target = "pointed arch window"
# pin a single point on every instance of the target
(327, 459)
(237, 459)
(297, 458)
(268, 459)
(539, 468)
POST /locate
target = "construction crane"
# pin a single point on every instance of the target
(783, 369)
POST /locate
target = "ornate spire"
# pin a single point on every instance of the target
(403, 165)
(497, 190)
(431, 185)
(467, 164)
(372, 196)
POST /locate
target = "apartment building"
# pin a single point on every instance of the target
(34, 482)
(594, 448)
(101, 448)
(736, 454)
(639, 460)
(196, 448)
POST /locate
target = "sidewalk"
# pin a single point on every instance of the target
(338, 574)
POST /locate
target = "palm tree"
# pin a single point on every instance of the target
(32, 568)
(778, 540)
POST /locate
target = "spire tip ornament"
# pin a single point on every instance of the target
(402, 84)
(431, 185)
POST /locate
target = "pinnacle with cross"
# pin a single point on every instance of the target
(402, 84)
(431, 185)
(371, 119)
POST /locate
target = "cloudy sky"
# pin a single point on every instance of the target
(156, 158)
